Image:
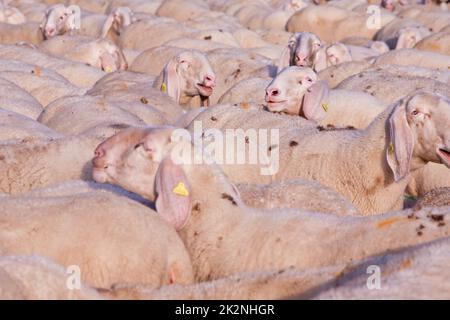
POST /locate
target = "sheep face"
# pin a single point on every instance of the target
(331, 55)
(419, 133)
(131, 158)
(286, 92)
(59, 20)
(110, 57)
(300, 50)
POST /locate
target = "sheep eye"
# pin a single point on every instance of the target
(415, 113)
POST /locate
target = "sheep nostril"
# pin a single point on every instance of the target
(99, 153)
(274, 92)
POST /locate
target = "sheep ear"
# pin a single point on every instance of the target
(107, 25)
(400, 149)
(285, 59)
(171, 83)
(173, 200)
(314, 107)
(107, 62)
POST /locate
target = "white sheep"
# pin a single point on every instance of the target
(14, 126)
(77, 115)
(99, 53)
(68, 69)
(297, 91)
(435, 198)
(114, 228)
(379, 82)
(135, 88)
(187, 76)
(38, 278)
(420, 272)
(198, 213)
(15, 99)
(438, 42)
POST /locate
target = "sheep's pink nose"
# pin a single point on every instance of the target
(301, 57)
(273, 92)
(49, 31)
(98, 160)
(209, 80)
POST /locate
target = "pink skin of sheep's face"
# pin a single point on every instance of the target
(286, 92)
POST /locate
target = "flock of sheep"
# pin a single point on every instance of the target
(97, 96)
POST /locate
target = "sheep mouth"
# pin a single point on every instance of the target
(99, 175)
(276, 105)
(444, 154)
(205, 90)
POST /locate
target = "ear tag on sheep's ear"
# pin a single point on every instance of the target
(391, 148)
(181, 190)
(325, 106)
(108, 69)
(164, 87)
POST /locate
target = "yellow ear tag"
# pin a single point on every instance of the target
(325, 106)
(108, 69)
(181, 190)
(391, 148)
(164, 87)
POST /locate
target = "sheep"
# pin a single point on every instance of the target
(182, 10)
(98, 53)
(150, 33)
(187, 76)
(35, 163)
(380, 81)
(232, 66)
(14, 126)
(15, 99)
(372, 187)
(420, 272)
(402, 33)
(335, 23)
(221, 116)
(133, 88)
(268, 285)
(11, 15)
(77, 115)
(107, 27)
(38, 278)
(437, 42)
(28, 32)
(276, 37)
(295, 194)
(436, 198)
(334, 75)
(153, 252)
(59, 20)
(414, 57)
(296, 91)
(433, 19)
(248, 90)
(43, 84)
(197, 213)
(68, 69)
(331, 55)
(300, 50)
(426, 179)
